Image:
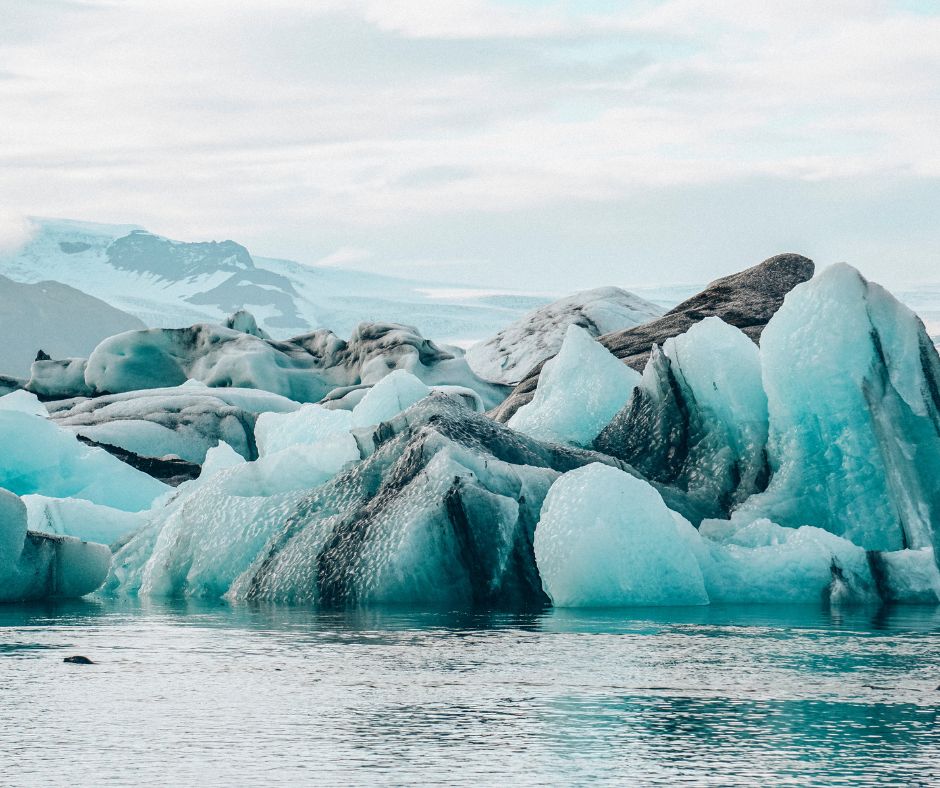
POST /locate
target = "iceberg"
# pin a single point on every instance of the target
(853, 390)
(607, 539)
(698, 420)
(183, 421)
(305, 368)
(40, 566)
(41, 458)
(532, 339)
(579, 392)
(441, 510)
(390, 396)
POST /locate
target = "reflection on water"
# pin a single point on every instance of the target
(185, 693)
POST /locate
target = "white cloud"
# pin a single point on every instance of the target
(301, 122)
(15, 231)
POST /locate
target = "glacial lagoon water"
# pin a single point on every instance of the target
(190, 694)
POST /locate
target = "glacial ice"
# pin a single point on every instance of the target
(185, 421)
(42, 458)
(82, 519)
(509, 355)
(38, 566)
(440, 512)
(606, 539)
(853, 389)
(698, 419)
(390, 396)
(580, 390)
(306, 368)
(309, 424)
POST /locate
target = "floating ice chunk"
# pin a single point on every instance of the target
(579, 392)
(81, 519)
(606, 539)
(853, 387)
(698, 420)
(24, 402)
(390, 396)
(59, 378)
(907, 575)
(763, 562)
(40, 457)
(530, 340)
(183, 420)
(309, 424)
(218, 458)
(38, 566)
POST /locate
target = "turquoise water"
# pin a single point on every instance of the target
(187, 694)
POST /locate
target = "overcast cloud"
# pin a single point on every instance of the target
(492, 142)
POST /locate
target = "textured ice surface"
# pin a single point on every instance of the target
(309, 424)
(698, 419)
(24, 402)
(763, 562)
(38, 566)
(389, 397)
(579, 392)
(183, 420)
(509, 355)
(606, 539)
(306, 368)
(441, 512)
(853, 387)
(40, 457)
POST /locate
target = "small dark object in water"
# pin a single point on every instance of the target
(78, 660)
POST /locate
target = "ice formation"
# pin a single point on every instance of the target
(579, 392)
(184, 421)
(39, 566)
(307, 368)
(698, 420)
(804, 471)
(509, 355)
(747, 300)
(441, 511)
(607, 539)
(42, 458)
(853, 389)
(389, 397)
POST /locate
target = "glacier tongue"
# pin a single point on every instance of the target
(853, 388)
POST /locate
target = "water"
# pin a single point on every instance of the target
(185, 694)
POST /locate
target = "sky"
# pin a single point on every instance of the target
(500, 143)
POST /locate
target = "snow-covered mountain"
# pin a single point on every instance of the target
(55, 318)
(170, 283)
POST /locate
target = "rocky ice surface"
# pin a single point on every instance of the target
(707, 468)
(746, 300)
(306, 368)
(513, 352)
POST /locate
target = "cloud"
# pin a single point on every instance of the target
(15, 231)
(303, 128)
